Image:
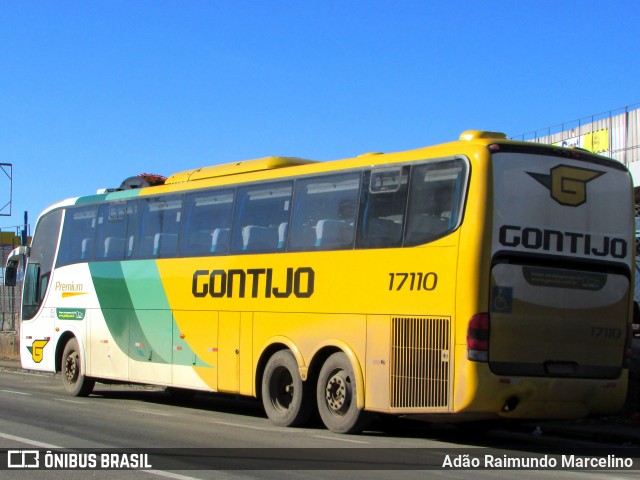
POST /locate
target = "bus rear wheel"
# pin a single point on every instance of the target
(73, 378)
(284, 395)
(336, 395)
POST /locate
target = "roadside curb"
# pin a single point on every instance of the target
(10, 364)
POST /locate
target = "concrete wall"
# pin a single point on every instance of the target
(9, 346)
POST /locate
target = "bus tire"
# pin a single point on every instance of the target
(284, 395)
(73, 378)
(336, 395)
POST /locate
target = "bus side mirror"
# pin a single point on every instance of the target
(11, 270)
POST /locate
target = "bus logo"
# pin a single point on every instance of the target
(37, 349)
(568, 185)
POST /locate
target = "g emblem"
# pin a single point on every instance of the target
(568, 185)
(37, 349)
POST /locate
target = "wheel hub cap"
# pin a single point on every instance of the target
(336, 393)
(71, 369)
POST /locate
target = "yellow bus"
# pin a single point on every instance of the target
(481, 278)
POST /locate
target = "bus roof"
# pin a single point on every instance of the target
(235, 168)
(250, 170)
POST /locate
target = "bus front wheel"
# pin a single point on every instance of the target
(73, 378)
(284, 395)
(336, 396)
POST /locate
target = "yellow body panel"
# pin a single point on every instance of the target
(338, 305)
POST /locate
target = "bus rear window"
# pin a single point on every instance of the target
(436, 195)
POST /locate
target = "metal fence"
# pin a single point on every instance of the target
(615, 134)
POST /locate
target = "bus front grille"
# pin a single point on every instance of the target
(420, 362)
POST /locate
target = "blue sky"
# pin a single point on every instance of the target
(93, 92)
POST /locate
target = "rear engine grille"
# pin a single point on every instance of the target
(420, 362)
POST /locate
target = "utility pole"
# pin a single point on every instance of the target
(25, 233)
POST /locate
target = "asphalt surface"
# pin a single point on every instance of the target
(623, 429)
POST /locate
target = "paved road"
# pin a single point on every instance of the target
(35, 413)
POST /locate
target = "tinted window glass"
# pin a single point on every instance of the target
(116, 228)
(40, 263)
(78, 235)
(325, 212)
(383, 208)
(435, 200)
(159, 226)
(262, 218)
(207, 223)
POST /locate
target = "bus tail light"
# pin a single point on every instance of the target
(478, 338)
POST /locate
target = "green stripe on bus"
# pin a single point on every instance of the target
(91, 199)
(123, 194)
(109, 197)
(137, 313)
(149, 302)
(119, 314)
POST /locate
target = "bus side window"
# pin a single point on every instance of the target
(116, 223)
(78, 235)
(435, 200)
(384, 202)
(205, 229)
(260, 212)
(159, 227)
(325, 212)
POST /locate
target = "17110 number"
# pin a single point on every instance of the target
(413, 281)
